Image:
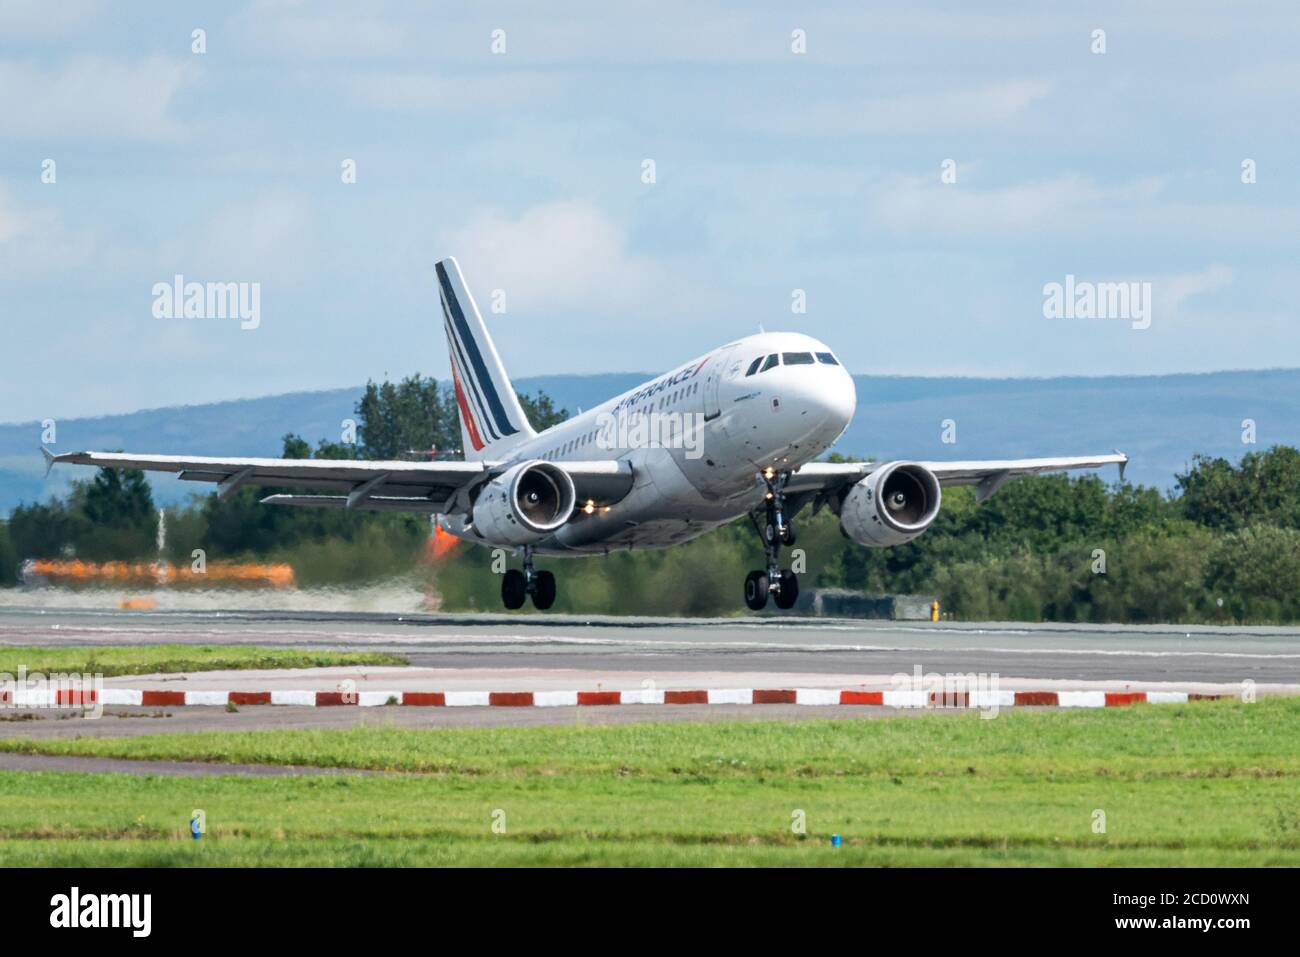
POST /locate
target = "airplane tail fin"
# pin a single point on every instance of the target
(491, 419)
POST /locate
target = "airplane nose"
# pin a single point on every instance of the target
(827, 396)
(840, 399)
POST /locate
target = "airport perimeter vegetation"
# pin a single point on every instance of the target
(1209, 783)
(114, 660)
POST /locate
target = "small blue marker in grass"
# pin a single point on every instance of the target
(835, 840)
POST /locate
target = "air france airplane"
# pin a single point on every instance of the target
(732, 433)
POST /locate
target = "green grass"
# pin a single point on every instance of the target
(1208, 784)
(170, 659)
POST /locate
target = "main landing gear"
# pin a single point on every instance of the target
(517, 585)
(777, 530)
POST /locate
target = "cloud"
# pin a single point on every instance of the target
(269, 237)
(925, 205)
(1170, 292)
(34, 243)
(1273, 80)
(937, 111)
(1068, 205)
(430, 93)
(39, 19)
(312, 31)
(90, 97)
(565, 257)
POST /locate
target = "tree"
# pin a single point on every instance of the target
(123, 523)
(1256, 571)
(414, 415)
(417, 414)
(119, 498)
(8, 557)
(295, 447)
(46, 530)
(541, 411)
(1264, 488)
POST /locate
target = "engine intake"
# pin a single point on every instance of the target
(891, 506)
(524, 504)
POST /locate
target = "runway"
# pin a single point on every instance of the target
(470, 654)
(658, 649)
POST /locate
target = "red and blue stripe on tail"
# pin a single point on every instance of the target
(491, 419)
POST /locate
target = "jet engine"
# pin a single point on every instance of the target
(524, 504)
(891, 506)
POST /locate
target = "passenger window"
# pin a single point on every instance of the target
(826, 358)
(753, 366)
(798, 359)
(772, 360)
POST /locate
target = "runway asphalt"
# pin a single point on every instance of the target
(1161, 654)
(533, 652)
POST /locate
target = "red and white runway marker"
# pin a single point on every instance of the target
(559, 699)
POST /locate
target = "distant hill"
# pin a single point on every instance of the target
(1160, 421)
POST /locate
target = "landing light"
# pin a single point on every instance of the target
(589, 507)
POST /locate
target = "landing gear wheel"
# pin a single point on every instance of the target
(514, 589)
(544, 591)
(775, 530)
(756, 590)
(787, 592)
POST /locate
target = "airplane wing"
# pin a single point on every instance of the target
(432, 487)
(986, 475)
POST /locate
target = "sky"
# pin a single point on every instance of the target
(920, 171)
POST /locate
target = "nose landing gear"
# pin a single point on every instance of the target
(517, 585)
(777, 530)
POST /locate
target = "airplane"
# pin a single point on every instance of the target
(735, 432)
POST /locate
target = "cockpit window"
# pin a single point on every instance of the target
(753, 366)
(798, 358)
(826, 358)
(772, 360)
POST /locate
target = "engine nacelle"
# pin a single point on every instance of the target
(891, 506)
(524, 504)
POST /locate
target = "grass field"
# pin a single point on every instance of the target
(169, 659)
(1209, 784)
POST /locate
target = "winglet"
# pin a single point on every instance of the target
(50, 459)
(1122, 465)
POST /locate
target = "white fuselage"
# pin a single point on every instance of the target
(696, 439)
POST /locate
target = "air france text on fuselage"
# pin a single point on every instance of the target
(652, 390)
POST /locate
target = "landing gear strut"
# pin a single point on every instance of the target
(777, 530)
(517, 585)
